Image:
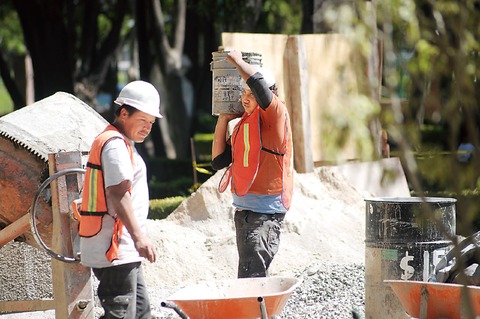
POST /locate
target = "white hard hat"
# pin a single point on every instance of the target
(267, 76)
(141, 95)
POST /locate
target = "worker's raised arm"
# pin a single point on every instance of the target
(245, 69)
(255, 78)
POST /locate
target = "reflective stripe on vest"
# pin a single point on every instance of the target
(94, 200)
(246, 142)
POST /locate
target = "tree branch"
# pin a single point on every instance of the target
(15, 94)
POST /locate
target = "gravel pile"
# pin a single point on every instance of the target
(327, 291)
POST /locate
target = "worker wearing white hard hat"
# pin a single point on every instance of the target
(258, 155)
(141, 95)
(115, 205)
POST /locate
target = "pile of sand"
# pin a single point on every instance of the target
(326, 223)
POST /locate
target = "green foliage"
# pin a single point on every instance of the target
(161, 208)
(164, 169)
(350, 126)
(176, 186)
(6, 104)
(11, 36)
(431, 58)
(169, 177)
(203, 146)
(269, 16)
(281, 15)
(203, 137)
(175, 177)
(205, 122)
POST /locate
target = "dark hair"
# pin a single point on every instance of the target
(130, 109)
(274, 89)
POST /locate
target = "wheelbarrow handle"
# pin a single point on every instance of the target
(263, 308)
(172, 305)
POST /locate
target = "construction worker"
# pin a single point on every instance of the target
(259, 158)
(115, 205)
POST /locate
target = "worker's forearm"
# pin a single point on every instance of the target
(219, 137)
(245, 69)
(121, 204)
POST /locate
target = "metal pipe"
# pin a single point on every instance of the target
(263, 309)
(424, 302)
(172, 305)
(33, 222)
(14, 229)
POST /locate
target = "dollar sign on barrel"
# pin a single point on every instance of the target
(407, 269)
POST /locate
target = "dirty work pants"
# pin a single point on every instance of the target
(258, 239)
(122, 292)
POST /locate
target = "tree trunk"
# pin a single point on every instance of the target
(162, 63)
(50, 33)
(17, 97)
(43, 27)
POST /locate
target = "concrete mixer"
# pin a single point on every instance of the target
(43, 150)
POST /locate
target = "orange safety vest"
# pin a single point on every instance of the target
(246, 152)
(94, 200)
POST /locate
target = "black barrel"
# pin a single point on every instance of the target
(405, 237)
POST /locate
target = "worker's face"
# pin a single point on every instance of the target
(249, 101)
(138, 125)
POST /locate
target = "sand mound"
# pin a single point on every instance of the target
(196, 242)
(325, 225)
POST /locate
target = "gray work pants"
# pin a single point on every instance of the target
(122, 292)
(258, 239)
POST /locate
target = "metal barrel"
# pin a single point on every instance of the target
(405, 237)
(226, 82)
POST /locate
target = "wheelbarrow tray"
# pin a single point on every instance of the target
(235, 298)
(444, 300)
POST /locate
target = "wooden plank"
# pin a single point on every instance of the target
(12, 306)
(296, 89)
(72, 282)
(337, 76)
(15, 229)
(270, 46)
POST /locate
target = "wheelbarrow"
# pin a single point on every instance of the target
(433, 300)
(244, 298)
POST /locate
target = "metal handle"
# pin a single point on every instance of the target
(172, 305)
(263, 308)
(33, 224)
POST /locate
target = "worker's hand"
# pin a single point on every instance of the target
(234, 57)
(146, 249)
(228, 117)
